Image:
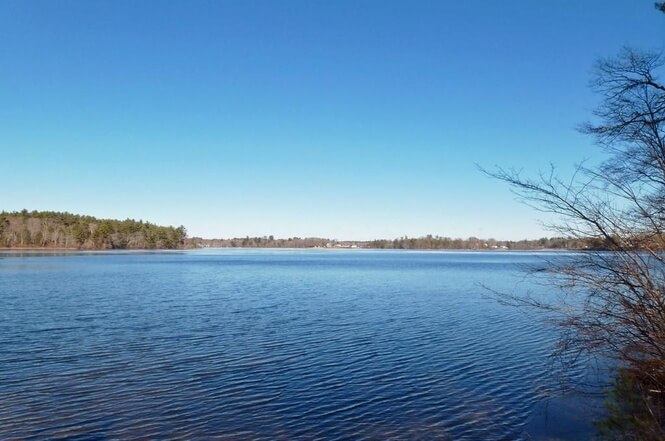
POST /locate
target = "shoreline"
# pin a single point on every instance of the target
(111, 250)
(40, 249)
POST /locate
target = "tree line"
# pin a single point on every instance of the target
(51, 229)
(258, 242)
(428, 242)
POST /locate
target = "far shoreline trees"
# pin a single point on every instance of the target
(428, 242)
(48, 229)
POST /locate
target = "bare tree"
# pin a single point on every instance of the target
(615, 305)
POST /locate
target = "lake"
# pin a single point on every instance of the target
(276, 344)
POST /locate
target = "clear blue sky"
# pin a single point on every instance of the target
(344, 119)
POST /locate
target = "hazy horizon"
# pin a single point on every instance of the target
(346, 120)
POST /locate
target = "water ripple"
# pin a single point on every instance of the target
(266, 346)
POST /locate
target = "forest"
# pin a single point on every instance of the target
(50, 229)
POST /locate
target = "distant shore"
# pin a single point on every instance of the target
(33, 248)
(46, 230)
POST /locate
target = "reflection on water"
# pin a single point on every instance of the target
(271, 345)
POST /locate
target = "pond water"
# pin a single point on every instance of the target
(275, 344)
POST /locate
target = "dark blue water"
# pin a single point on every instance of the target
(240, 344)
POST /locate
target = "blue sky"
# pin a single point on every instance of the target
(342, 119)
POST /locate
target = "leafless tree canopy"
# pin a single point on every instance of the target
(617, 306)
